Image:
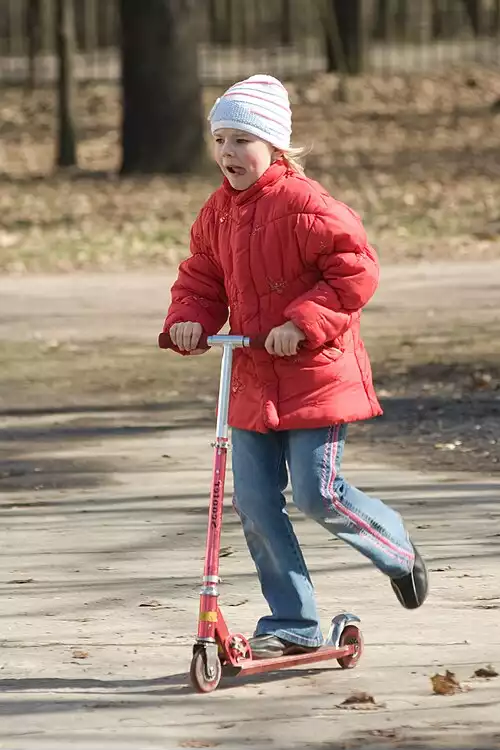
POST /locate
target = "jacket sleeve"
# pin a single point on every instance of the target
(337, 246)
(198, 294)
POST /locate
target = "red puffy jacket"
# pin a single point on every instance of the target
(284, 249)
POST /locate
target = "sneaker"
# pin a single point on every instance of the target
(412, 589)
(269, 646)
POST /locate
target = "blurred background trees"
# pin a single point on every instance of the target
(162, 52)
(66, 91)
(163, 126)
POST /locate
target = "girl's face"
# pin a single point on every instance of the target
(243, 158)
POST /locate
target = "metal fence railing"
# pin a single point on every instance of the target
(288, 38)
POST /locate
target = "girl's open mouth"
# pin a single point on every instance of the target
(235, 170)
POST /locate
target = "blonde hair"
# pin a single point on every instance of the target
(293, 158)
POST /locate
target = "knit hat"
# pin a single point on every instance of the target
(258, 105)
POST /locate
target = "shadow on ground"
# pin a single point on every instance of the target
(33, 441)
(432, 433)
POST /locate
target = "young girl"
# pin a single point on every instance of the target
(274, 250)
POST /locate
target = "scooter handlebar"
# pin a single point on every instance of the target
(254, 342)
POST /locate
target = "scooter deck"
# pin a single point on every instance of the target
(256, 666)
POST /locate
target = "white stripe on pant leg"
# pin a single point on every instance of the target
(388, 546)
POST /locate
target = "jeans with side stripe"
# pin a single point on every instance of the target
(312, 457)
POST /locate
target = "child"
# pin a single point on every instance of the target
(277, 252)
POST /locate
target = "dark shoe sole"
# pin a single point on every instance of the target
(412, 589)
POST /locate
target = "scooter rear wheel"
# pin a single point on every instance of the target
(351, 635)
(198, 673)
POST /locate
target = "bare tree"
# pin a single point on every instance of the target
(345, 35)
(212, 21)
(286, 22)
(220, 20)
(383, 20)
(33, 35)
(163, 126)
(475, 12)
(65, 35)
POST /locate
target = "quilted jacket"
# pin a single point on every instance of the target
(284, 249)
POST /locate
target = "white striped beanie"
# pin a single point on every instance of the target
(258, 105)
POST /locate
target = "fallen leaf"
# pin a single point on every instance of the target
(481, 380)
(226, 551)
(486, 672)
(358, 698)
(79, 654)
(198, 743)
(446, 684)
(360, 701)
(152, 603)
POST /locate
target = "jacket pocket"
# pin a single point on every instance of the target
(331, 353)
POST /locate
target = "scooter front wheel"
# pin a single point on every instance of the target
(202, 679)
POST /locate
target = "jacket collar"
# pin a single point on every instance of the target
(274, 173)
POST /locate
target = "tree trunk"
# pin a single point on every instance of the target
(219, 25)
(334, 47)
(163, 124)
(382, 21)
(33, 33)
(418, 21)
(286, 22)
(475, 14)
(220, 13)
(65, 35)
(345, 36)
(230, 21)
(213, 31)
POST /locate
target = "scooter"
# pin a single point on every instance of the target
(217, 651)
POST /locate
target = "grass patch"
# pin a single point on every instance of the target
(100, 373)
(416, 156)
(440, 393)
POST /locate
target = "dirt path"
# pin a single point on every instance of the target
(103, 520)
(101, 561)
(132, 304)
(432, 330)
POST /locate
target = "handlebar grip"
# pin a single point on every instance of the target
(258, 341)
(165, 342)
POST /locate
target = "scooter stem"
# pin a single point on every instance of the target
(209, 593)
(222, 429)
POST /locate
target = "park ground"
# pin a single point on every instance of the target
(105, 446)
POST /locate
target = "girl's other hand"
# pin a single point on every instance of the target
(185, 336)
(284, 340)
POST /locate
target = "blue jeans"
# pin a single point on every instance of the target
(261, 463)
